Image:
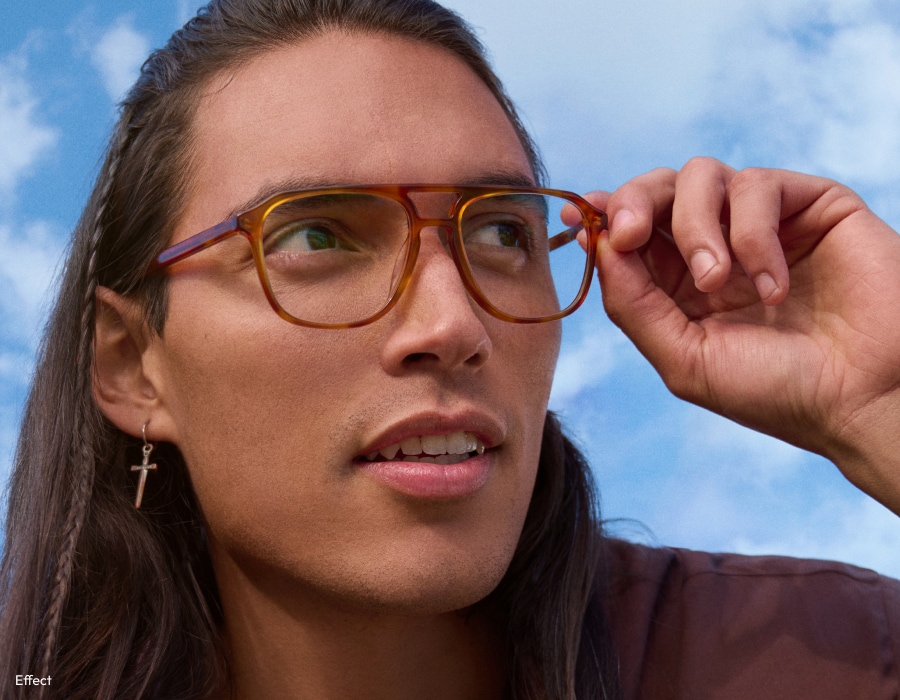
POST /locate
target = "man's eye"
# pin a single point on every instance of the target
(497, 234)
(302, 237)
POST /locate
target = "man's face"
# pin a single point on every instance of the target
(274, 420)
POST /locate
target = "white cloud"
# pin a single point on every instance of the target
(31, 256)
(860, 139)
(717, 476)
(585, 363)
(118, 56)
(697, 480)
(749, 456)
(24, 139)
(815, 95)
(731, 489)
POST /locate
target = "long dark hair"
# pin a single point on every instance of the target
(114, 602)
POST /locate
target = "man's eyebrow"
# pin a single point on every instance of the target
(270, 189)
(501, 178)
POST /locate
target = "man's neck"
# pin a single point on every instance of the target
(291, 645)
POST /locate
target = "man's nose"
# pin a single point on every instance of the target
(437, 324)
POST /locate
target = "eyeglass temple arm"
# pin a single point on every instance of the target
(194, 244)
(563, 237)
(571, 233)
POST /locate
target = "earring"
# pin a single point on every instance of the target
(143, 468)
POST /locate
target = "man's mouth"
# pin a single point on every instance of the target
(436, 449)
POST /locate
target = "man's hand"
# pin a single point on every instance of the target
(770, 297)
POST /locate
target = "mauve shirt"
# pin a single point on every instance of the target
(698, 626)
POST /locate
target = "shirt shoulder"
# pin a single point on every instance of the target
(698, 625)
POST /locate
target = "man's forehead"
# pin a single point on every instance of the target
(328, 111)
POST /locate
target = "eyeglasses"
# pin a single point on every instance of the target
(341, 257)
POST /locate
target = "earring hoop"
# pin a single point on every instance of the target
(143, 467)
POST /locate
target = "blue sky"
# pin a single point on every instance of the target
(610, 88)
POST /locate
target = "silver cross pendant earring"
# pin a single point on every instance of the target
(143, 468)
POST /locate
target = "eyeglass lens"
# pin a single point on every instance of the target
(338, 258)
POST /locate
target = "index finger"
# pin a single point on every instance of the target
(639, 204)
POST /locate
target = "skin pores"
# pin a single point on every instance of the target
(271, 417)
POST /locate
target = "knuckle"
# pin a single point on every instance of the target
(842, 196)
(663, 173)
(750, 181)
(840, 191)
(700, 165)
(631, 197)
(596, 197)
(840, 202)
(656, 175)
(752, 247)
(689, 231)
(639, 188)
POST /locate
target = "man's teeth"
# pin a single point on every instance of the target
(440, 449)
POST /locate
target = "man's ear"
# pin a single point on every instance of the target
(126, 385)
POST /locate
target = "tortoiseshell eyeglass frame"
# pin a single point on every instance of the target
(250, 225)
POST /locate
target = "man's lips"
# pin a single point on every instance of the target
(434, 456)
(432, 481)
(436, 433)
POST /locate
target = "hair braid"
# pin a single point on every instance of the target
(82, 451)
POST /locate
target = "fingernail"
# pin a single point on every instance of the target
(701, 263)
(765, 285)
(623, 218)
